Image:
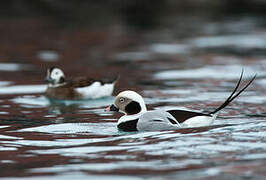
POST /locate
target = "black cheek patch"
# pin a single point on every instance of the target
(133, 108)
(61, 80)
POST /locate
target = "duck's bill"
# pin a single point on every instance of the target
(112, 108)
(48, 80)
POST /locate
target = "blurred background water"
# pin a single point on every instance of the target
(185, 54)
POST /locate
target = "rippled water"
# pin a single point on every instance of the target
(77, 139)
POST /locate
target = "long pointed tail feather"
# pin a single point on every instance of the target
(233, 95)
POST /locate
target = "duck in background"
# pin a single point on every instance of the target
(81, 88)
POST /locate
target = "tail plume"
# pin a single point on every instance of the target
(234, 94)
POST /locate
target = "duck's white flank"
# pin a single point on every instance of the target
(199, 121)
(96, 90)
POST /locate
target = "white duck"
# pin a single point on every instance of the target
(137, 118)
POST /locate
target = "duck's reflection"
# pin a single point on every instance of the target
(59, 107)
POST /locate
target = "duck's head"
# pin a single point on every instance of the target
(129, 103)
(55, 76)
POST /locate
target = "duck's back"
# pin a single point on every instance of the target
(157, 120)
(172, 119)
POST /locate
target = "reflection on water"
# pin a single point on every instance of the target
(215, 72)
(48, 56)
(13, 67)
(23, 89)
(45, 139)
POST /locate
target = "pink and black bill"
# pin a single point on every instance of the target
(112, 108)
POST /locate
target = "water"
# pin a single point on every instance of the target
(40, 139)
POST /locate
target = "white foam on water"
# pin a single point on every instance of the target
(41, 101)
(4, 126)
(261, 82)
(157, 164)
(8, 137)
(48, 56)
(170, 48)
(73, 128)
(134, 56)
(255, 156)
(23, 89)
(31, 101)
(73, 175)
(2, 148)
(13, 67)
(6, 162)
(231, 72)
(253, 99)
(246, 41)
(5, 83)
(80, 151)
(43, 143)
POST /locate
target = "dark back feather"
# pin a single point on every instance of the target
(182, 115)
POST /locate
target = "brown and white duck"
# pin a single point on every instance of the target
(77, 89)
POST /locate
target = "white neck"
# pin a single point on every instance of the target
(132, 117)
(143, 108)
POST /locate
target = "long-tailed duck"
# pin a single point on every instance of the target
(80, 88)
(137, 118)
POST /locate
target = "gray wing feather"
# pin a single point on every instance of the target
(157, 120)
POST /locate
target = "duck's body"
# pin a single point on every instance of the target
(137, 118)
(81, 88)
(164, 120)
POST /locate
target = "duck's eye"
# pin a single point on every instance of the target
(56, 73)
(121, 100)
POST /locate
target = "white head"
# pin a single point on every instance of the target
(129, 103)
(55, 76)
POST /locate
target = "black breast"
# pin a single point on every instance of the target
(128, 125)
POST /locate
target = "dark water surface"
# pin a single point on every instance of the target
(188, 63)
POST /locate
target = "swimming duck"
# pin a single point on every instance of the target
(80, 88)
(137, 118)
